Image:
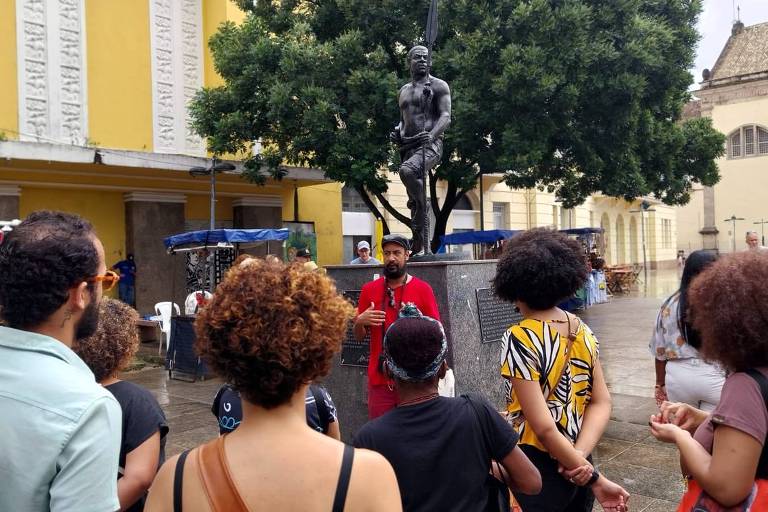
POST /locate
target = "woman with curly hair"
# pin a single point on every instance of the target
(723, 452)
(557, 398)
(681, 374)
(269, 331)
(108, 351)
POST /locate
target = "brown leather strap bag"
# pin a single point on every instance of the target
(214, 474)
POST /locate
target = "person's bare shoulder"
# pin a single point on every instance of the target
(370, 466)
(160, 498)
(439, 85)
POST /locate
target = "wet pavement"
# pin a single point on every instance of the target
(627, 453)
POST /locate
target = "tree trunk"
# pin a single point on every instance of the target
(374, 209)
(391, 209)
(452, 196)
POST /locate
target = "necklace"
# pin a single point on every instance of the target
(418, 399)
(549, 321)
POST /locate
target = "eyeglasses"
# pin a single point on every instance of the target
(108, 280)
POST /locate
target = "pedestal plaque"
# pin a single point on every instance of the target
(495, 315)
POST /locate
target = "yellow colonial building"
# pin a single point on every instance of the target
(93, 121)
(735, 95)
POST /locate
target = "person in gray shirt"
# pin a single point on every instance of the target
(364, 253)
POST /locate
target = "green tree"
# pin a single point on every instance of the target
(575, 96)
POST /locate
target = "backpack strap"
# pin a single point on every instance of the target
(214, 474)
(322, 409)
(178, 480)
(762, 382)
(340, 499)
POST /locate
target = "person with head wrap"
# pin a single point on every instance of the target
(440, 448)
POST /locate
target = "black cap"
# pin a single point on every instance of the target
(394, 238)
(303, 253)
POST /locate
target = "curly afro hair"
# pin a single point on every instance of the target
(413, 343)
(40, 260)
(270, 328)
(540, 267)
(115, 341)
(728, 303)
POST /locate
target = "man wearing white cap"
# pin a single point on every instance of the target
(364, 253)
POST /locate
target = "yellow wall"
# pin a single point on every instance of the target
(215, 12)
(743, 187)
(9, 101)
(320, 204)
(105, 210)
(119, 74)
(199, 208)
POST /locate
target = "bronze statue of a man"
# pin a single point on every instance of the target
(425, 113)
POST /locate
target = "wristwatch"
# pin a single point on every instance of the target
(593, 478)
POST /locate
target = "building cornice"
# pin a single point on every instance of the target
(269, 201)
(154, 197)
(10, 190)
(50, 152)
(731, 93)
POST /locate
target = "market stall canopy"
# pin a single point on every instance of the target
(217, 237)
(476, 237)
(581, 231)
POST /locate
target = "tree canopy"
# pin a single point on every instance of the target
(575, 96)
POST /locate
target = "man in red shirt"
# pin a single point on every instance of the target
(378, 307)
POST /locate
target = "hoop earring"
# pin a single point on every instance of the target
(389, 385)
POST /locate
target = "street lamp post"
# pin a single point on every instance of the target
(211, 171)
(645, 206)
(762, 223)
(733, 220)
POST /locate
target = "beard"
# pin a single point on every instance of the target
(89, 322)
(393, 271)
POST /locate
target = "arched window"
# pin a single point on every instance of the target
(748, 140)
(463, 203)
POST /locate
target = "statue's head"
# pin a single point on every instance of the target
(418, 60)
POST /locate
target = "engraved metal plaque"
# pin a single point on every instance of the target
(353, 352)
(495, 315)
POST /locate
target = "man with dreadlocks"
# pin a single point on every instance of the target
(440, 448)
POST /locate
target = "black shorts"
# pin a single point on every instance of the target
(557, 494)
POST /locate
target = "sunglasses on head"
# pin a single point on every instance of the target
(108, 280)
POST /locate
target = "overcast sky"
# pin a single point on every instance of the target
(715, 28)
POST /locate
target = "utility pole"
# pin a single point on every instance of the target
(645, 206)
(762, 223)
(211, 171)
(733, 220)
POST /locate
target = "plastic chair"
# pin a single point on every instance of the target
(191, 303)
(163, 309)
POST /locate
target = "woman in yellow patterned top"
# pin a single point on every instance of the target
(557, 397)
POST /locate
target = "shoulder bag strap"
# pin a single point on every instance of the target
(762, 382)
(340, 499)
(178, 480)
(322, 409)
(214, 474)
(476, 409)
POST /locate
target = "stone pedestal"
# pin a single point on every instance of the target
(149, 218)
(259, 212)
(9, 202)
(475, 364)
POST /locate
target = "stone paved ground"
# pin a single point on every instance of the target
(628, 454)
